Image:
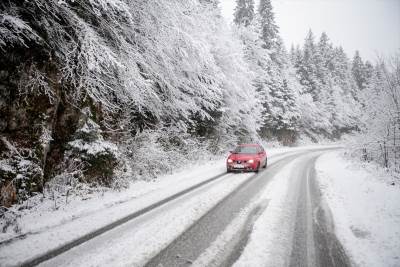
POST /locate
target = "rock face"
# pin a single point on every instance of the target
(41, 129)
(98, 157)
(40, 137)
(46, 122)
(39, 141)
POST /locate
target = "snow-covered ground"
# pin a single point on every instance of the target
(151, 232)
(43, 216)
(45, 227)
(49, 228)
(365, 208)
(46, 213)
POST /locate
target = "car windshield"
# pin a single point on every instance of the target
(245, 150)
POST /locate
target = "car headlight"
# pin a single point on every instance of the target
(251, 161)
(230, 161)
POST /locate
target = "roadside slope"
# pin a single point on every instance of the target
(365, 209)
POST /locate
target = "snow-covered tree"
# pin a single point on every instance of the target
(269, 30)
(296, 56)
(324, 57)
(138, 66)
(307, 67)
(269, 60)
(244, 12)
(380, 133)
(325, 76)
(359, 71)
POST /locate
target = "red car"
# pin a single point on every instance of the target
(247, 157)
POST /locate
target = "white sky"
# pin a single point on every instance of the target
(371, 26)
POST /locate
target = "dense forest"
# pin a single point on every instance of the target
(102, 92)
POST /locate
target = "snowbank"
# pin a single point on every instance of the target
(365, 208)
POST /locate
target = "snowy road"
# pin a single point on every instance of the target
(314, 242)
(193, 242)
(311, 240)
(217, 223)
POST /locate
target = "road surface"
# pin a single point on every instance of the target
(309, 238)
(313, 240)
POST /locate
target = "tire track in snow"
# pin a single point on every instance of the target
(37, 259)
(189, 245)
(315, 243)
(59, 250)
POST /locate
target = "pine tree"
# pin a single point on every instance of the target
(309, 47)
(292, 54)
(297, 57)
(214, 3)
(281, 113)
(326, 79)
(358, 70)
(269, 29)
(320, 58)
(325, 51)
(307, 67)
(341, 64)
(369, 71)
(244, 12)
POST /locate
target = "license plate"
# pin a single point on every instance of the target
(238, 166)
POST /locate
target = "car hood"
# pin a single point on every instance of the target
(242, 156)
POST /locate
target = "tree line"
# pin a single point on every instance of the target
(316, 90)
